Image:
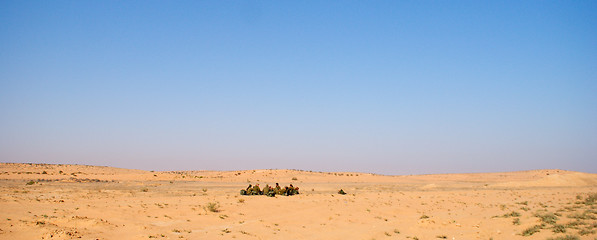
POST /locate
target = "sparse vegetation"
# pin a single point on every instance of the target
(516, 221)
(424, 217)
(294, 178)
(441, 236)
(30, 182)
(241, 200)
(144, 189)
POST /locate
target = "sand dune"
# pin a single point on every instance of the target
(40, 201)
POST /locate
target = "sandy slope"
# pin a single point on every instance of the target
(90, 202)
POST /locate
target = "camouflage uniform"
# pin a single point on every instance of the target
(271, 192)
(246, 191)
(256, 190)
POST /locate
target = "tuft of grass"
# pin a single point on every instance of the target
(567, 237)
(574, 224)
(558, 228)
(512, 214)
(30, 183)
(396, 231)
(424, 216)
(584, 216)
(240, 200)
(532, 230)
(144, 189)
(294, 178)
(387, 234)
(213, 207)
(591, 199)
(204, 190)
(586, 231)
(441, 236)
(516, 221)
(548, 218)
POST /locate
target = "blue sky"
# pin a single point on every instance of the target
(392, 87)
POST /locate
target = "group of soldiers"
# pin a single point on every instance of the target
(270, 191)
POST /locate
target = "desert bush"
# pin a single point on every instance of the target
(294, 178)
(30, 182)
(144, 189)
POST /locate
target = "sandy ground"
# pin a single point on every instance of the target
(39, 201)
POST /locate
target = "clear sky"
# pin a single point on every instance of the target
(391, 87)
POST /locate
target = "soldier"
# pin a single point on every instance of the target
(294, 189)
(246, 191)
(256, 190)
(286, 191)
(278, 189)
(290, 190)
(271, 192)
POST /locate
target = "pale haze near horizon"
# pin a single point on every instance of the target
(391, 87)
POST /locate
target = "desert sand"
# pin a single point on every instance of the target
(41, 201)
